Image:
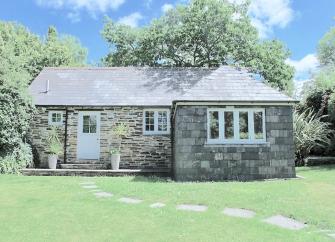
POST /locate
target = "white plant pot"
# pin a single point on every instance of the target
(52, 161)
(115, 161)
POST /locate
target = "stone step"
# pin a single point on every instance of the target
(94, 166)
(79, 172)
(88, 162)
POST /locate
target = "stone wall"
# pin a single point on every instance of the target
(196, 160)
(137, 150)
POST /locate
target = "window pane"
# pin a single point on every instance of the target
(86, 128)
(258, 125)
(162, 121)
(93, 128)
(58, 117)
(243, 121)
(214, 124)
(149, 121)
(229, 125)
(53, 117)
(86, 119)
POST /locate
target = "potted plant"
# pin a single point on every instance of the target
(54, 148)
(119, 131)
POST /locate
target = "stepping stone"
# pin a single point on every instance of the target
(103, 194)
(87, 183)
(239, 212)
(157, 205)
(90, 186)
(191, 207)
(130, 200)
(331, 236)
(285, 222)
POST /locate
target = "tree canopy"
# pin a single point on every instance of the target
(201, 33)
(326, 48)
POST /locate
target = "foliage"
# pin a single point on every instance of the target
(326, 48)
(25, 54)
(15, 114)
(20, 157)
(201, 33)
(325, 78)
(119, 131)
(22, 56)
(54, 144)
(309, 132)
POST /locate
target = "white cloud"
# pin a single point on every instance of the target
(266, 14)
(305, 66)
(92, 6)
(132, 20)
(166, 7)
(74, 17)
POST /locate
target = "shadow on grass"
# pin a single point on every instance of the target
(152, 179)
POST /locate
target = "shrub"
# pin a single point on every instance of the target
(119, 131)
(309, 132)
(20, 157)
(54, 144)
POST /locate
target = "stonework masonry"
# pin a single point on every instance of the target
(137, 150)
(196, 160)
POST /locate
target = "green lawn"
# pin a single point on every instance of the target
(59, 209)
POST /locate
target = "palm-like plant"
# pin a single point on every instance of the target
(309, 132)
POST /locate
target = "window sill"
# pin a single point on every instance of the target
(156, 134)
(234, 144)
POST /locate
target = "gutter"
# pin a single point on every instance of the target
(65, 134)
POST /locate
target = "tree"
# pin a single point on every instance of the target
(326, 48)
(202, 33)
(22, 56)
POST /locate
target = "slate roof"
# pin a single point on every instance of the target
(146, 86)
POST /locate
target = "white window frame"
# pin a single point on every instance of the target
(236, 139)
(155, 131)
(50, 118)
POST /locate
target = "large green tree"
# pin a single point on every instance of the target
(201, 33)
(326, 48)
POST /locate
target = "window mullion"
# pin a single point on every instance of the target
(236, 125)
(156, 121)
(251, 125)
(221, 125)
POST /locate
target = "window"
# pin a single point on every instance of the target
(156, 121)
(55, 118)
(236, 125)
(89, 124)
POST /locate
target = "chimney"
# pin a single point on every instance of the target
(47, 86)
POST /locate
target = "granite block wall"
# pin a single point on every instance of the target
(194, 159)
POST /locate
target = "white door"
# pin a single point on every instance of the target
(88, 146)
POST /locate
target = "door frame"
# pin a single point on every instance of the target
(80, 128)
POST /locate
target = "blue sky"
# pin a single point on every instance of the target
(298, 23)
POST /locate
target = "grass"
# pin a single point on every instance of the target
(58, 209)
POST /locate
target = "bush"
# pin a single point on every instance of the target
(54, 144)
(309, 132)
(20, 157)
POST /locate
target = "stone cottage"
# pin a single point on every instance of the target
(199, 123)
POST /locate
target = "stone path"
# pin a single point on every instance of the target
(157, 205)
(277, 220)
(130, 200)
(285, 222)
(192, 207)
(238, 212)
